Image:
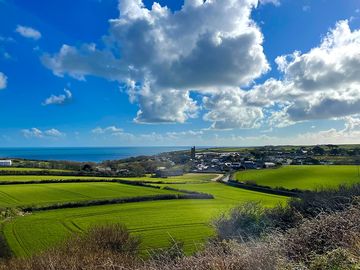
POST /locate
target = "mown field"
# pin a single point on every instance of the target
(155, 222)
(302, 177)
(44, 194)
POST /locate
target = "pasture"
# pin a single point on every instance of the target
(302, 177)
(44, 194)
(155, 222)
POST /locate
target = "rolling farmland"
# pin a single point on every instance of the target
(302, 177)
(44, 194)
(155, 222)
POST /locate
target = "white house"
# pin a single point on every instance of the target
(5, 163)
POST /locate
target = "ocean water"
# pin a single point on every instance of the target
(95, 154)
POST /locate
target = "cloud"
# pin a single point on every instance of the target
(53, 133)
(323, 83)
(113, 130)
(37, 133)
(166, 106)
(58, 100)
(162, 55)
(33, 132)
(28, 32)
(326, 80)
(274, 2)
(227, 110)
(3, 81)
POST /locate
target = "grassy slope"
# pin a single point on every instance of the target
(184, 178)
(229, 196)
(302, 177)
(40, 194)
(154, 221)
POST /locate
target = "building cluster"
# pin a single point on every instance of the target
(266, 158)
(222, 162)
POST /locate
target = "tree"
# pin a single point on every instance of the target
(317, 150)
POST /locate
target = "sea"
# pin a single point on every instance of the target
(84, 154)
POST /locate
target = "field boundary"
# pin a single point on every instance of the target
(263, 189)
(160, 197)
(89, 180)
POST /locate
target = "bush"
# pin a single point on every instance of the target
(114, 238)
(245, 222)
(322, 234)
(336, 259)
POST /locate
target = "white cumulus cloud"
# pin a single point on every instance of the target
(163, 55)
(3, 81)
(28, 32)
(38, 133)
(58, 100)
(107, 130)
(323, 83)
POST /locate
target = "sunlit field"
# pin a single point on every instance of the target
(302, 177)
(155, 221)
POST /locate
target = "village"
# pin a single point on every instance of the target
(206, 160)
(225, 160)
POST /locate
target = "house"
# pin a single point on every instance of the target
(249, 165)
(5, 163)
(269, 165)
(236, 165)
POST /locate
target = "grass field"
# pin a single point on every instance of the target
(188, 178)
(184, 178)
(228, 196)
(45, 194)
(302, 177)
(31, 169)
(155, 222)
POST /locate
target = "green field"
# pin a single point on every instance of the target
(155, 222)
(184, 178)
(228, 196)
(302, 177)
(45, 194)
(188, 178)
(30, 169)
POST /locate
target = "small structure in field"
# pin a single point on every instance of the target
(5, 163)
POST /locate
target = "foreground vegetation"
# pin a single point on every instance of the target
(302, 177)
(313, 232)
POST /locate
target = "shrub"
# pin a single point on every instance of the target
(323, 234)
(335, 260)
(245, 222)
(114, 238)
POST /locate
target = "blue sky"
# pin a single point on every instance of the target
(229, 72)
